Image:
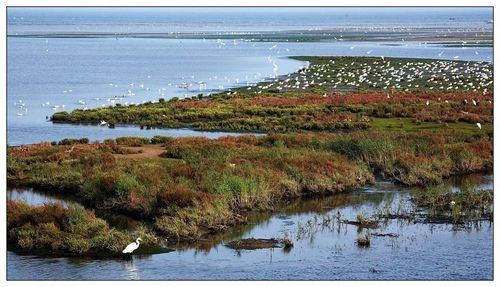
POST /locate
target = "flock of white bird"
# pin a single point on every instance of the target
(126, 93)
(386, 74)
(21, 107)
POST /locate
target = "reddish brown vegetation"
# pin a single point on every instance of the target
(201, 184)
(366, 98)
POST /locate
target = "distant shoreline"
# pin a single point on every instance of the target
(331, 35)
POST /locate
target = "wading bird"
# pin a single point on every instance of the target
(132, 246)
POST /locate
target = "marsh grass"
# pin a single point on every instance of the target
(70, 141)
(462, 206)
(199, 186)
(132, 141)
(53, 227)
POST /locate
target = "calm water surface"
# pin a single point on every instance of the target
(127, 20)
(321, 251)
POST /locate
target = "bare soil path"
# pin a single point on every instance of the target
(147, 151)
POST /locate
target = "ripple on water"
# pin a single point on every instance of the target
(323, 251)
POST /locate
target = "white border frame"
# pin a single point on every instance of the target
(350, 3)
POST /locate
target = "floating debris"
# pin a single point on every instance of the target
(260, 243)
(363, 241)
(385, 234)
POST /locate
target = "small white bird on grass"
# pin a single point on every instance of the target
(132, 246)
(478, 125)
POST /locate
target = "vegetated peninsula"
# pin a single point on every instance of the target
(333, 93)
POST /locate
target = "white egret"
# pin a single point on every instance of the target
(132, 246)
(478, 125)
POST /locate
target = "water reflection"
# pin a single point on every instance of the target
(132, 271)
(326, 248)
(36, 197)
(39, 197)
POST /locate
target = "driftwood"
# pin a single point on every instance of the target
(259, 243)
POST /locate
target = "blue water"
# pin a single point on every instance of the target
(35, 20)
(323, 252)
(421, 253)
(67, 71)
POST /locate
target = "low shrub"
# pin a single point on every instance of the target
(161, 139)
(70, 141)
(132, 141)
(56, 228)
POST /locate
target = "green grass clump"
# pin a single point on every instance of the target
(459, 206)
(359, 148)
(132, 141)
(161, 139)
(68, 141)
(190, 223)
(54, 228)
